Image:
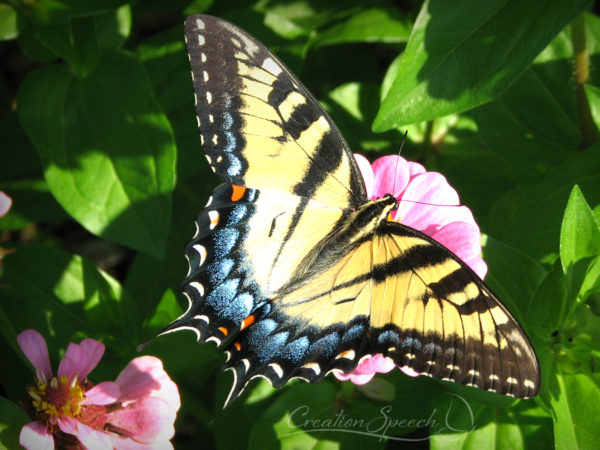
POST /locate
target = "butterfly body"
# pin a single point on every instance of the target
(293, 271)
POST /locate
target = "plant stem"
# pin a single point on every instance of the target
(589, 132)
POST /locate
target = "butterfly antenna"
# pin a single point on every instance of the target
(397, 162)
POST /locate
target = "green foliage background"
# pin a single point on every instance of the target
(100, 152)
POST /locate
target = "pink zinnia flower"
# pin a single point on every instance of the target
(5, 203)
(136, 411)
(429, 204)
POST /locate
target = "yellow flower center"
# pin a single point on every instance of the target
(59, 398)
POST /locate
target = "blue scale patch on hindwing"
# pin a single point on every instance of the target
(325, 347)
(354, 332)
(258, 332)
(389, 338)
(237, 214)
(239, 308)
(432, 349)
(295, 350)
(412, 342)
(220, 270)
(272, 346)
(234, 168)
(222, 294)
(225, 241)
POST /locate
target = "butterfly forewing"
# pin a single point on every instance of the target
(259, 126)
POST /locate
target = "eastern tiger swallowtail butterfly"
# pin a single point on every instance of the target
(293, 271)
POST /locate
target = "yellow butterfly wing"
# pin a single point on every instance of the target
(403, 295)
(259, 126)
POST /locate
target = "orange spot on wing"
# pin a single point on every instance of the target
(247, 322)
(223, 330)
(237, 193)
(237, 346)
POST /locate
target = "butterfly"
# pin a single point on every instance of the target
(293, 271)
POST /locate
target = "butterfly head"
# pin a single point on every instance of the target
(371, 214)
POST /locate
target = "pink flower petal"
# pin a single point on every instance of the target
(367, 369)
(409, 371)
(35, 349)
(478, 265)
(68, 425)
(5, 203)
(94, 351)
(105, 393)
(81, 359)
(367, 173)
(462, 238)
(423, 200)
(354, 377)
(145, 420)
(145, 376)
(91, 438)
(392, 175)
(35, 436)
(69, 365)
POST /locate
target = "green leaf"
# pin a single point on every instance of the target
(30, 43)
(298, 18)
(530, 218)
(75, 42)
(377, 24)
(32, 203)
(579, 233)
(113, 27)
(593, 94)
(12, 419)
(194, 365)
(545, 127)
(60, 11)
(147, 278)
(307, 416)
(167, 65)
(22, 179)
(60, 294)
(514, 275)
(550, 303)
(579, 241)
(475, 171)
(519, 130)
(106, 147)
(8, 23)
(519, 427)
(78, 40)
(166, 310)
(354, 105)
(591, 283)
(576, 405)
(448, 68)
(243, 411)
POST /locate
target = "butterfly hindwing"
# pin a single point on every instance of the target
(241, 255)
(259, 126)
